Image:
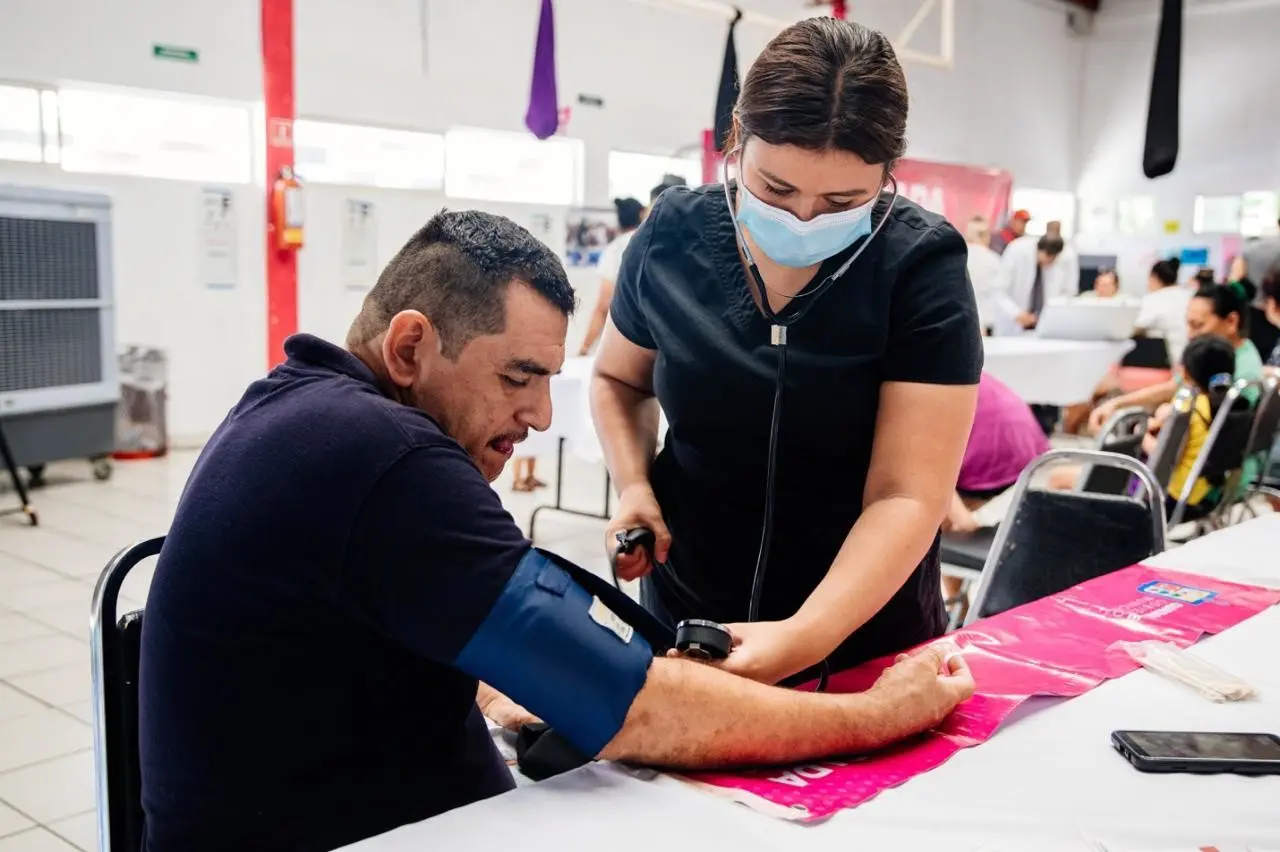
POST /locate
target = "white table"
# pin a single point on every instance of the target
(1048, 781)
(1052, 372)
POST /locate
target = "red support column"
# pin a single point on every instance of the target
(277, 80)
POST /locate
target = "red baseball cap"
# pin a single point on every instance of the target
(1024, 215)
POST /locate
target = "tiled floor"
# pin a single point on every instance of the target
(46, 581)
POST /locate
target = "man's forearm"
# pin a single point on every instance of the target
(885, 545)
(690, 715)
(626, 420)
(1149, 397)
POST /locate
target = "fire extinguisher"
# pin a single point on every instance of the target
(286, 210)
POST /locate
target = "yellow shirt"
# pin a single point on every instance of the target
(1197, 432)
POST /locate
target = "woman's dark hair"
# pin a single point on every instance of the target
(1271, 283)
(1166, 271)
(1205, 276)
(1210, 362)
(630, 211)
(1233, 298)
(825, 84)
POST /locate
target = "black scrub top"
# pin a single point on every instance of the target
(903, 312)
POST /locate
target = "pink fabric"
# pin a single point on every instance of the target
(1059, 646)
(1004, 439)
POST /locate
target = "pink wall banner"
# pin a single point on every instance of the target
(1063, 645)
(956, 192)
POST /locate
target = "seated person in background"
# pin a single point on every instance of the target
(1271, 312)
(341, 594)
(1163, 311)
(1105, 286)
(1208, 365)
(1205, 277)
(1219, 310)
(1005, 438)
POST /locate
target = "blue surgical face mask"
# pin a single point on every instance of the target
(794, 242)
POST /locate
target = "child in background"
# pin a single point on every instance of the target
(1208, 366)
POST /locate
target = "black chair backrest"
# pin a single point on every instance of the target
(1223, 449)
(115, 647)
(1053, 540)
(1173, 436)
(1267, 418)
(1123, 435)
(1149, 352)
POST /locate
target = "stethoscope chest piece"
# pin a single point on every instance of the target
(703, 640)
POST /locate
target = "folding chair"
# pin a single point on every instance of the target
(1173, 436)
(1266, 429)
(1122, 434)
(1221, 458)
(115, 648)
(1053, 540)
(964, 554)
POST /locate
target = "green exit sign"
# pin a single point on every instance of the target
(177, 54)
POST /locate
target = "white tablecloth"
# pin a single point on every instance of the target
(1052, 372)
(1048, 781)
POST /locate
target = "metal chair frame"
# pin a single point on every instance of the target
(1234, 393)
(991, 571)
(112, 757)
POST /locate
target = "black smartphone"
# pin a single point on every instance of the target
(1191, 751)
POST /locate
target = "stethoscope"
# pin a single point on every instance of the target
(708, 639)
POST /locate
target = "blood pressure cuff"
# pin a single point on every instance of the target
(561, 651)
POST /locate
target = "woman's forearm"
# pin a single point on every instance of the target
(626, 419)
(885, 545)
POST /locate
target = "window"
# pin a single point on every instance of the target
(495, 165)
(367, 156)
(634, 175)
(20, 127)
(1097, 216)
(1046, 205)
(153, 136)
(1217, 214)
(1259, 213)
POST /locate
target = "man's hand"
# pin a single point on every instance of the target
(637, 507)
(1027, 320)
(502, 710)
(924, 687)
(767, 651)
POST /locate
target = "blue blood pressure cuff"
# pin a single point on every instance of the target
(561, 652)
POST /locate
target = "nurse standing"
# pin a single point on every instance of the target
(882, 365)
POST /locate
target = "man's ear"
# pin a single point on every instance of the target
(409, 347)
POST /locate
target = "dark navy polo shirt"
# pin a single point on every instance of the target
(904, 312)
(332, 553)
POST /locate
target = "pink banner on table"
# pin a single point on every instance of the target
(1057, 646)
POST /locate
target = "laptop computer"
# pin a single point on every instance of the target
(1087, 319)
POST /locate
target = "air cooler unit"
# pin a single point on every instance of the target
(58, 370)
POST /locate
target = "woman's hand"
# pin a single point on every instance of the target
(767, 651)
(1099, 417)
(637, 507)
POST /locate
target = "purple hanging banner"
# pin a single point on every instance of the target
(543, 117)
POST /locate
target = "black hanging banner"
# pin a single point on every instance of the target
(1161, 151)
(727, 95)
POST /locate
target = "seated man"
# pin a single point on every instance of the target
(340, 577)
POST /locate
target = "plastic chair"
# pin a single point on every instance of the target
(1122, 434)
(1221, 458)
(1053, 540)
(115, 645)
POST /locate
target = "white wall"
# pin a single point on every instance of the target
(468, 63)
(1230, 126)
